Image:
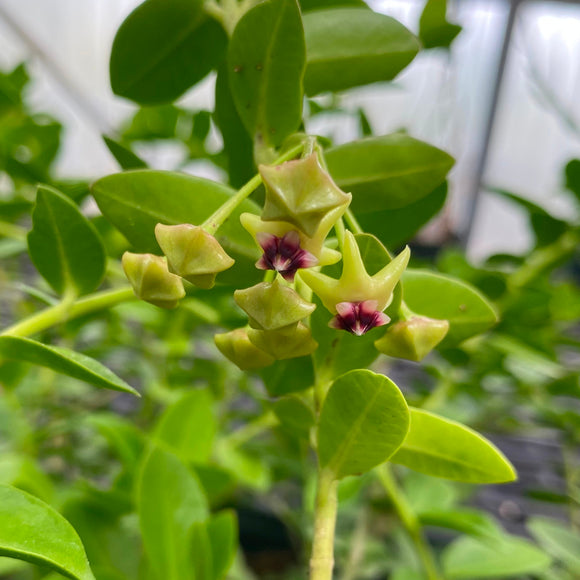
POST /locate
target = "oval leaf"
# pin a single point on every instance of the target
(468, 558)
(31, 530)
(444, 448)
(162, 49)
(295, 416)
(222, 531)
(62, 360)
(63, 245)
(559, 541)
(364, 420)
(170, 501)
(350, 47)
(123, 155)
(189, 427)
(136, 201)
(267, 56)
(387, 172)
(434, 30)
(447, 298)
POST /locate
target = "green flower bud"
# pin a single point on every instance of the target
(412, 339)
(271, 306)
(288, 342)
(152, 281)
(355, 284)
(192, 253)
(302, 193)
(236, 346)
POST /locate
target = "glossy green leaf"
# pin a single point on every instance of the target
(350, 47)
(63, 245)
(163, 48)
(470, 559)
(444, 448)
(62, 360)
(266, 63)
(189, 426)
(31, 530)
(295, 416)
(222, 531)
(387, 172)
(124, 156)
(310, 5)
(394, 227)
(558, 540)
(446, 298)
(170, 501)
(136, 201)
(364, 420)
(434, 30)
(238, 144)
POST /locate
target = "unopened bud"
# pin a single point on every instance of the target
(412, 339)
(152, 281)
(236, 346)
(289, 342)
(192, 253)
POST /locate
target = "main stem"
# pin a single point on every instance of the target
(322, 560)
(409, 521)
(64, 311)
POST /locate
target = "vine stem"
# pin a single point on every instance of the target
(214, 221)
(65, 310)
(322, 559)
(409, 521)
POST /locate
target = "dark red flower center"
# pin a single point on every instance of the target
(358, 317)
(284, 254)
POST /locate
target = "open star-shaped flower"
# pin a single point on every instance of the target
(356, 285)
(301, 192)
(358, 317)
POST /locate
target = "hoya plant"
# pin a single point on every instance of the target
(249, 323)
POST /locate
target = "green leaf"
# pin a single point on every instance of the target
(266, 63)
(468, 558)
(288, 376)
(350, 47)
(163, 48)
(189, 427)
(434, 30)
(445, 448)
(31, 530)
(572, 173)
(136, 201)
(364, 420)
(558, 540)
(310, 5)
(63, 245)
(124, 156)
(295, 416)
(62, 360)
(222, 531)
(446, 298)
(464, 520)
(237, 143)
(170, 501)
(387, 172)
(397, 226)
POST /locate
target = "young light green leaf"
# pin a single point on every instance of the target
(387, 172)
(63, 245)
(434, 30)
(295, 416)
(170, 501)
(468, 558)
(124, 156)
(136, 201)
(62, 360)
(222, 531)
(189, 427)
(447, 298)
(349, 47)
(444, 448)
(31, 530)
(163, 48)
(364, 420)
(558, 540)
(266, 60)
(396, 226)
